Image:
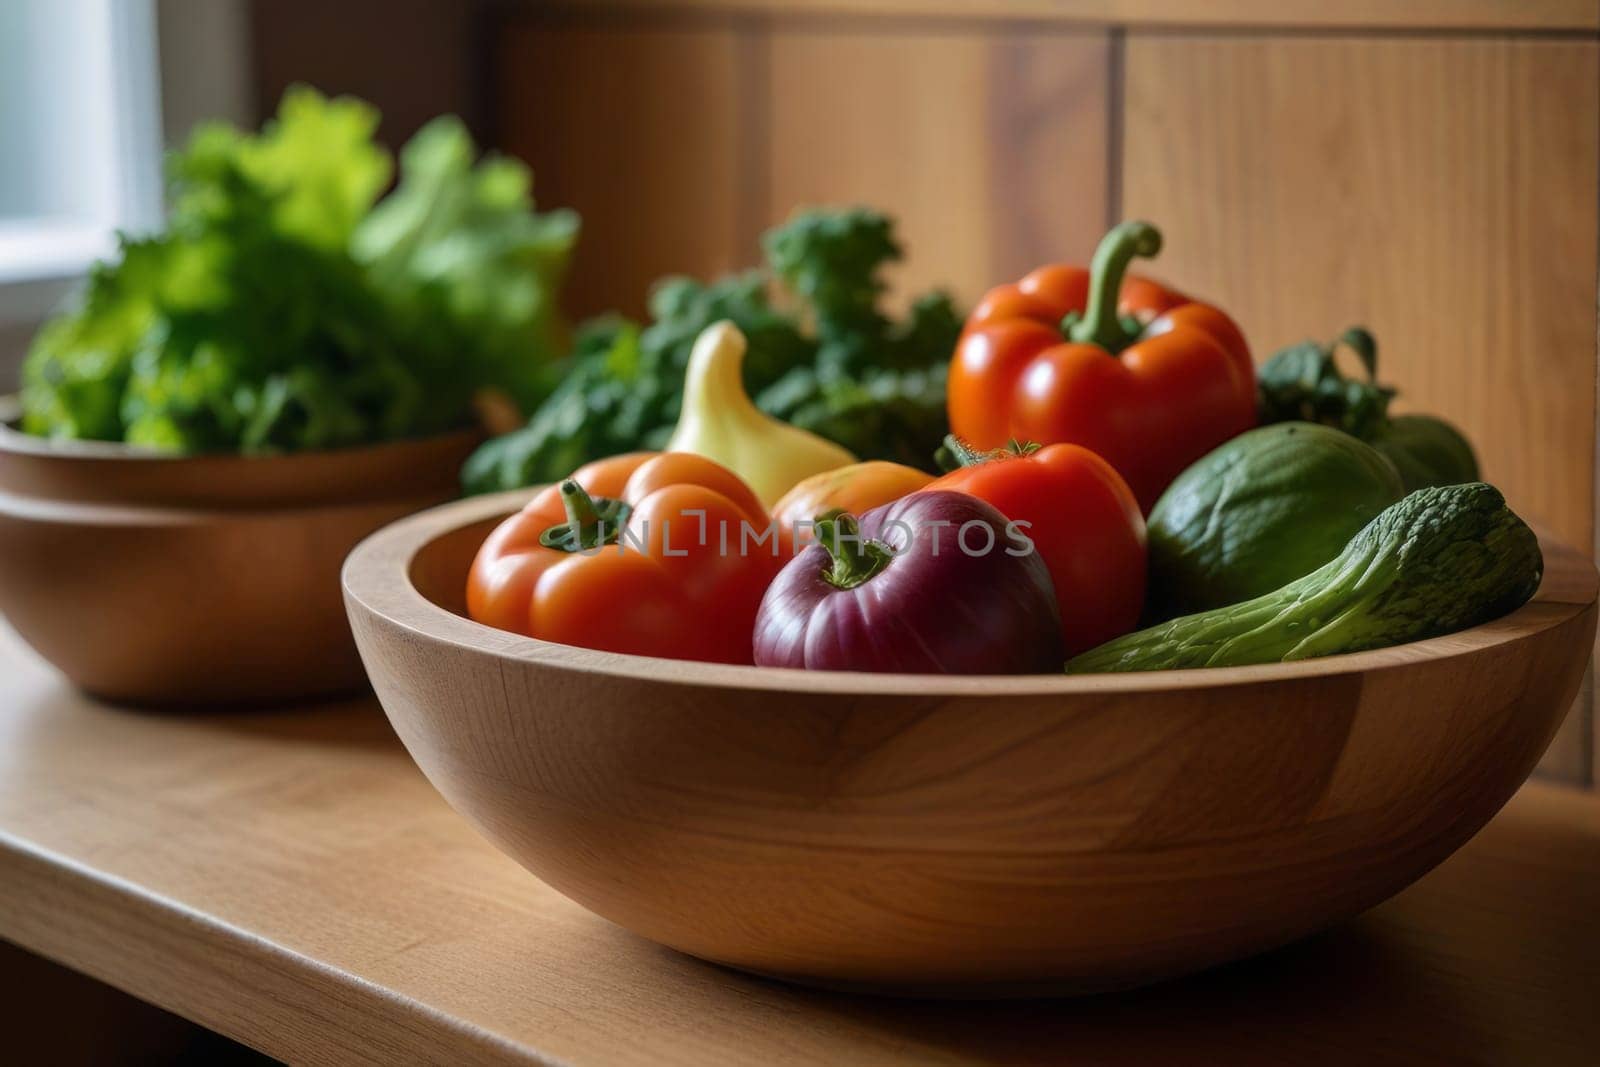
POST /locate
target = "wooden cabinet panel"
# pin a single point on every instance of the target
(680, 144)
(1276, 14)
(1443, 192)
(413, 59)
(990, 147)
(642, 130)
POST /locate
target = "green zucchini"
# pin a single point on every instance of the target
(1441, 560)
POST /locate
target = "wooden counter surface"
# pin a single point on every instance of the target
(289, 879)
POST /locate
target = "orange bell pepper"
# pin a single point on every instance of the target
(1083, 521)
(1152, 384)
(643, 553)
(856, 488)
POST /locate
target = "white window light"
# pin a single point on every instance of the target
(80, 140)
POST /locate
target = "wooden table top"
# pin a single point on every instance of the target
(290, 879)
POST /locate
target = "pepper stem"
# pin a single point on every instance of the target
(581, 511)
(855, 558)
(592, 522)
(1099, 324)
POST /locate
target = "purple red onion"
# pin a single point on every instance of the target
(933, 583)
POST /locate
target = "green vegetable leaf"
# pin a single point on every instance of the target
(315, 162)
(1303, 383)
(79, 365)
(832, 363)
(467, 267)
(249, 324)
(832, 261)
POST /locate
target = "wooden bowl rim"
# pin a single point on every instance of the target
(15, 441)
(377, 578)
(114, 474)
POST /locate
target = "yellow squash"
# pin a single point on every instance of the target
(721, 422)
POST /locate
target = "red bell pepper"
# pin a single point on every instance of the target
(1152, 384)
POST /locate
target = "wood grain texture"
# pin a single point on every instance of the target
(640, 130)
(989, 148)
(288, 878)
(1444, 197)
(1570, 758)
(944, 835)
(1571, 15)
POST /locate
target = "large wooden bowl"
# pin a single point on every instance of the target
(156, 579)
(960, 836)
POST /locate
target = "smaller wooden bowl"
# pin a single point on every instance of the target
(154, 579)
(960, 836)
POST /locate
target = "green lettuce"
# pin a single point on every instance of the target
(467, 268)
(281, 310)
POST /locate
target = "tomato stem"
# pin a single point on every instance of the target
(1099, 324)
(956, 453)
(855, 558)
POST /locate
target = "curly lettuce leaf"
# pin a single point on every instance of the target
(466, 265)
(79, 364)
(250, 325)
(316, 163)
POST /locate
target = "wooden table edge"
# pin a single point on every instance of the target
(187, 962)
